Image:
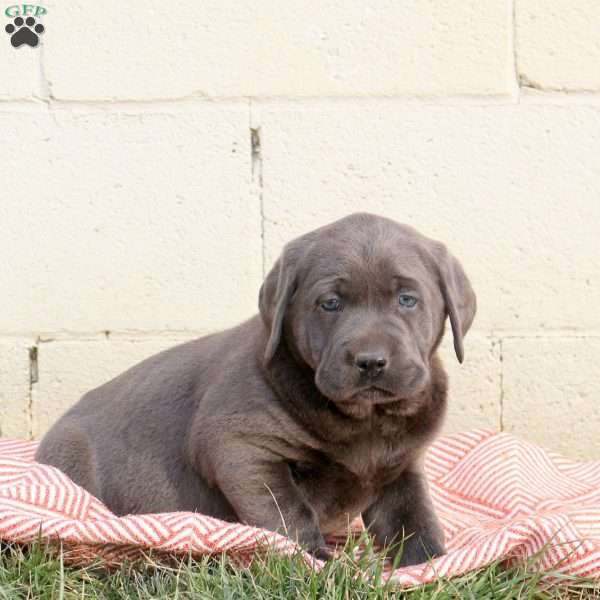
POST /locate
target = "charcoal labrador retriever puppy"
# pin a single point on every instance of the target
(307, 415)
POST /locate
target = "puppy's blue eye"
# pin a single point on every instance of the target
(407, 301)
(331, 305)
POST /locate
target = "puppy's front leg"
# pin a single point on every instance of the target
(260, 488)
(404, 509)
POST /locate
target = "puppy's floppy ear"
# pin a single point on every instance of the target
(459, 297)
(274, 296)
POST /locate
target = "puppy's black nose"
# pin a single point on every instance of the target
(370, 363)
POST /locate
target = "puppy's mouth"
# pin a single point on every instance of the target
(373, 395)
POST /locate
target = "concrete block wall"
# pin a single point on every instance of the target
(154, 160)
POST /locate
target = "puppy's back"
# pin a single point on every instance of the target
(124, 440)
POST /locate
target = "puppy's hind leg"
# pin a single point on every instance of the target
(67, 447)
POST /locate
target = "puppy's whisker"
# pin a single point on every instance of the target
(278, 509)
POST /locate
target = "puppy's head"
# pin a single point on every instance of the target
(363, 302)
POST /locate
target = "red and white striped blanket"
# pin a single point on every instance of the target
(497, 496)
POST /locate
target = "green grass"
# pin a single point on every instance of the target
(38, 573)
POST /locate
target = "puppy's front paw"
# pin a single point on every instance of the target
(322, 553)
(314, 543)
(420, 547)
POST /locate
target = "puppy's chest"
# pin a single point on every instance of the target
(372, 459)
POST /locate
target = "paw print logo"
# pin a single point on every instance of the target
(24, 32)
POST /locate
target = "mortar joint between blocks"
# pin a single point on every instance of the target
(257, 179)
(33, 380)
(514, 51)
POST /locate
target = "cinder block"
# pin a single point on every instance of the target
(314, 48)
(512, 191)
(474, 387)
(68, 369)
(557, 44)
(128, 221)
(14, 387)
(552, 392)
